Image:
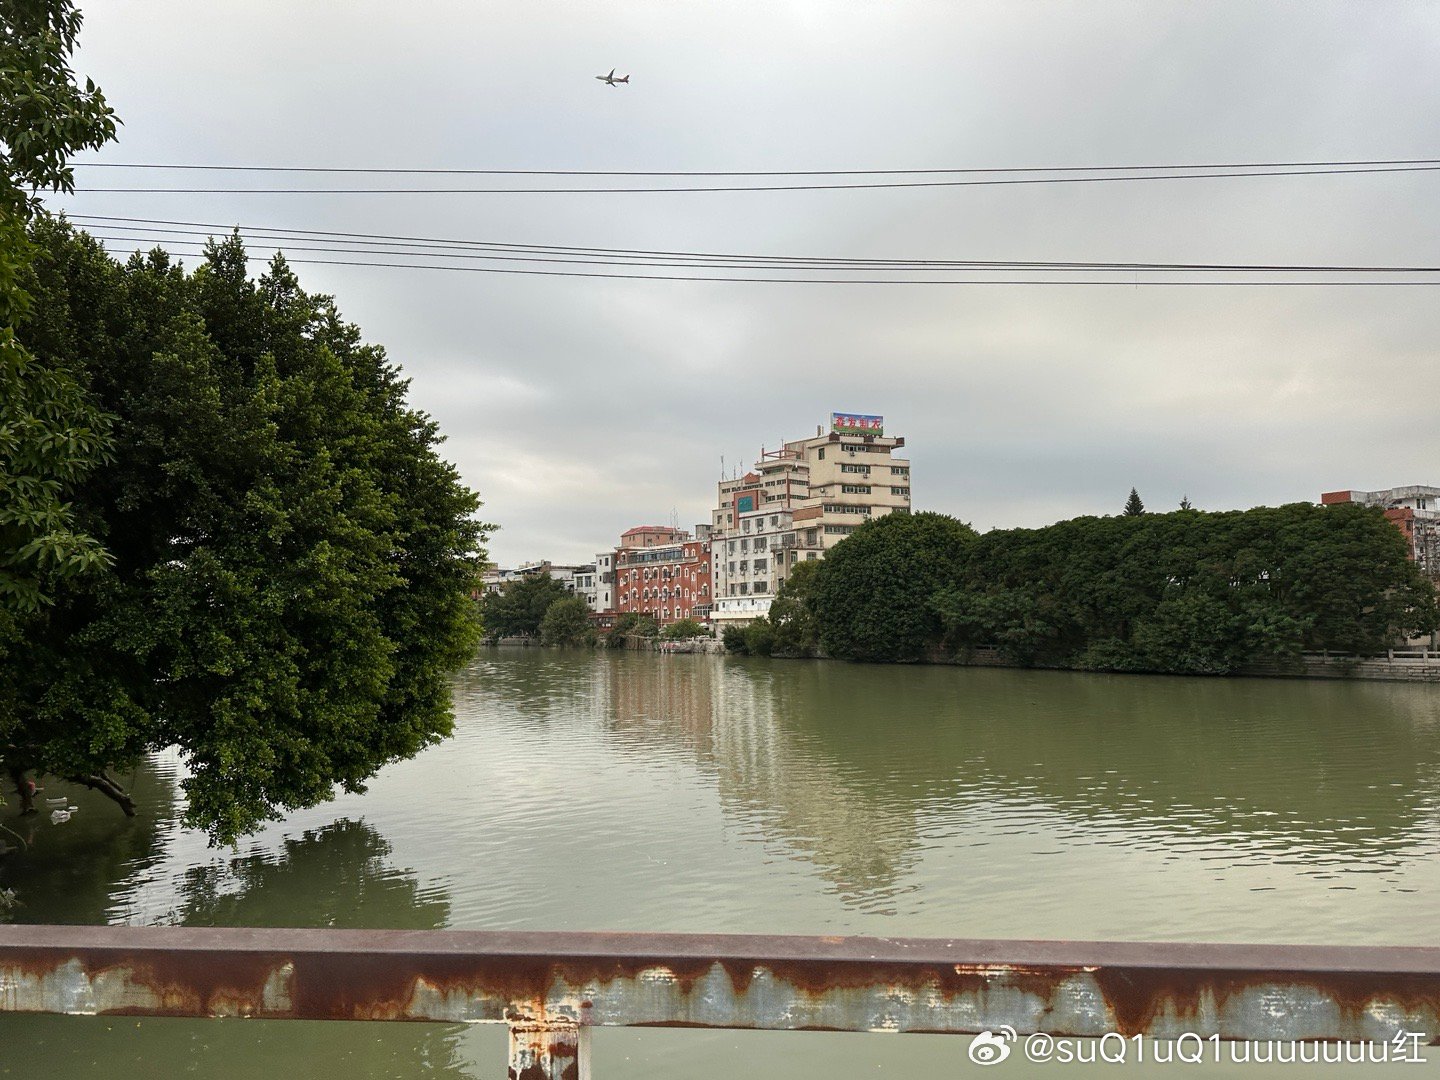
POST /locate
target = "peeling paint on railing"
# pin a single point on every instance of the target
(549, 986)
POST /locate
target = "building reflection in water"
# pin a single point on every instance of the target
(857, 769)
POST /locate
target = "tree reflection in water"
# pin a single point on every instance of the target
(338, 875)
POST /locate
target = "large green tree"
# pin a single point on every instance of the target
(291, 560)
(872, 594)
(567, 622)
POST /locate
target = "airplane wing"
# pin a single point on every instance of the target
(611, 75)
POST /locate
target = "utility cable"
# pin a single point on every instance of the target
(694, 189)
(1135, 283)
(741, 172)
(634, 256)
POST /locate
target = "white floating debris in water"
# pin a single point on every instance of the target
(56, 802)
(59, 817)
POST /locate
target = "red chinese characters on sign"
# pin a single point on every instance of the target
(856, 424)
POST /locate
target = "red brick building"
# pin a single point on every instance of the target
(667, 579)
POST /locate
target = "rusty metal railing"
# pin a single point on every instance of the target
(552, 988)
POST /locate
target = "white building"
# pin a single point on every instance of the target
(796, 504)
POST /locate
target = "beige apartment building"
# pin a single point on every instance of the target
(796, 504)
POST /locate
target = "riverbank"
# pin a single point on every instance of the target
(1398, 665)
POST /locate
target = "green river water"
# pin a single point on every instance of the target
(695, 793)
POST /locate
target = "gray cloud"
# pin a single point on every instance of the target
(578, 408)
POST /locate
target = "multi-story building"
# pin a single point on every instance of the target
(1414, 510)
(585, 583)
(604, 582)
(797, 503)
(663, 573)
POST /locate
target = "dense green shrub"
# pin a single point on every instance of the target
(872, 595)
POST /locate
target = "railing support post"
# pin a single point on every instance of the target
(547, 1050)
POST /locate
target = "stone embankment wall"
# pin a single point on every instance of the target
(1400, 665)
(693, 645)
(1396, 667)
(640, 644)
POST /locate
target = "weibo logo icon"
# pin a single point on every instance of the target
(988, 1048)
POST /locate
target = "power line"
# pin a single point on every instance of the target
(425, 171)
(894, 265)
(1136, 283)
(473, 249)
(720, 188)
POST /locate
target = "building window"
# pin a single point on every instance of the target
(855, 489)
(759, 566)
(899, 491)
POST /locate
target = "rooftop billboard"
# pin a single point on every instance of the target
(856, 424)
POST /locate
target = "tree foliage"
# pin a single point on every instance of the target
(759, 637)
(1133, 506)
(52, 435)
(872, 594)
(733, 638)
(567, 622)
(797, 633)
(632, 623)
(291, 559)
(44, 115)
(1188, 591)
(683, 630)
(518, 608)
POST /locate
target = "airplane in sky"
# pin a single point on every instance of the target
(611, 80)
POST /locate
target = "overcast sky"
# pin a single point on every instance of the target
(578, 408)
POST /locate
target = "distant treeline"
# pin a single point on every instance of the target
(1187, 591)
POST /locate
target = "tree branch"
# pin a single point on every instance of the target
(107, 787)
